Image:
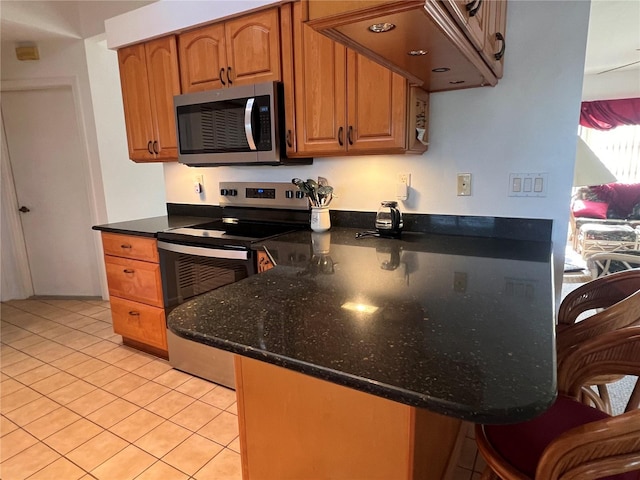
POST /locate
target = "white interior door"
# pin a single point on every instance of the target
(46, 158)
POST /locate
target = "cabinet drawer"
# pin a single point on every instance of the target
(134, 280)
(139, 322)
(139, 248)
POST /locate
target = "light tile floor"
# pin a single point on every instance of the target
(77, 404)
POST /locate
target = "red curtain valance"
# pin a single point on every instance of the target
(608, 114)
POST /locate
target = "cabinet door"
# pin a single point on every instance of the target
(320, 74)
(253, 48)
(290, 14)
(495, 24)
(136, 99)
(164, 83)
(470, 15)
(203, 58)
(377, 108)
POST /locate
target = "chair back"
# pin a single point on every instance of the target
(624, 313)
(603, 292)
(605, 447)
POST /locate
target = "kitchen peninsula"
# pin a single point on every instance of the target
(360, 361)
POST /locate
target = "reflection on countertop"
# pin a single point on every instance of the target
(460, 325)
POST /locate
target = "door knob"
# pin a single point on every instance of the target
(24, 209)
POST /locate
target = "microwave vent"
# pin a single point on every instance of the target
(222, 129)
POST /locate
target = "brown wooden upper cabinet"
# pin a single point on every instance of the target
(241, 51)
(438, 44)
(149, 79)
(345, 103)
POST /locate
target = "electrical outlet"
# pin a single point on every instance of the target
(404, 178)
(198, 184)
(464, 184)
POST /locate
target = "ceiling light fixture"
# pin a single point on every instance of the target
(417, 53)
(381, 27)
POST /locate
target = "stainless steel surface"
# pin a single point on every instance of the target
(205, 251)
(201, 360)
(279, 200)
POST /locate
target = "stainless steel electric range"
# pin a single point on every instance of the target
(195, 260)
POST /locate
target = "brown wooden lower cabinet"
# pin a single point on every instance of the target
(139, 322)
(293, 426)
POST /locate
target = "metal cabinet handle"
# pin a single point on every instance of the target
(133, 313)
(289, 142)
(350, 135)
(229, 76)
(149, 147)
(125, 245)
(473, 7)
(500, 38)
(222, 76)
(128, 270)
(340, 139)
(156, 150)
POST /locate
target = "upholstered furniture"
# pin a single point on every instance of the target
(572, 440)
(609, 204)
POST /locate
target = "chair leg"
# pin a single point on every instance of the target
(634, 399)
(604, 394)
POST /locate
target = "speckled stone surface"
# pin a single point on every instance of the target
(464, 326)
(149, 227)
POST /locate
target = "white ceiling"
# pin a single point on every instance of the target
(612, 58)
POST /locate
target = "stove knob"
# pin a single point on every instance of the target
(233, 192)
(224, 192)
(299, 194)
(288, 194)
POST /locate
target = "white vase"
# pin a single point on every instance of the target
(320, 220)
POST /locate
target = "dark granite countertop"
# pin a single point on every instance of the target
(149, 227)
(463, 326)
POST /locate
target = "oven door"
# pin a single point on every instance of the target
(188, 271)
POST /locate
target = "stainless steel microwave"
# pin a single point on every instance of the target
(232, 126)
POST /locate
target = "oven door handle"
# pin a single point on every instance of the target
(205, 251)
(248, 128)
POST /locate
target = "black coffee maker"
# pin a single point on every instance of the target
(389, 219)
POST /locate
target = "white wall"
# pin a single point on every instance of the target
(527, 123)
(132, 190)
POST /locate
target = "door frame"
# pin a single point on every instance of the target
(91, 173)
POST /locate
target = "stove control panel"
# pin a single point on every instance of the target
(262, 195)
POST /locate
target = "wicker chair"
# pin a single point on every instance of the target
(572, 440)
(619, 295)
(606, 263)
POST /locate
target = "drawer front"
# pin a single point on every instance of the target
(138, 248)
(140, 322)
(134, 280)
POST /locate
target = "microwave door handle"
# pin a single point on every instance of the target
(248, 130)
